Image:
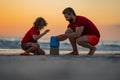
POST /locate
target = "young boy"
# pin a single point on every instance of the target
(29, 42)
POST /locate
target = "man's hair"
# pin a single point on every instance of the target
(68, 11)
(40, 22)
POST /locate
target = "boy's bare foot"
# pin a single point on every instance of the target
(73, 53)
(92, 50)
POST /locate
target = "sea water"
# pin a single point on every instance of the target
(13, 46)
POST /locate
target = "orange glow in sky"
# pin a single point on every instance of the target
(17, 16)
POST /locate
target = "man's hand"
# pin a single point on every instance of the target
(61, 37)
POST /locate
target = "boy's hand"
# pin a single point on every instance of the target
(46, 31)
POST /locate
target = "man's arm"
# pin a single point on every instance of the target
(79, 31)
(62, 37)
(70, 34)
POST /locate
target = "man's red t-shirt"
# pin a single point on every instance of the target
(89, 27)
(28, 36)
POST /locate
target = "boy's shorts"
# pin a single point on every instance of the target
(26, 46)
(92, 39)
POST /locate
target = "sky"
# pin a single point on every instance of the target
(17, 16)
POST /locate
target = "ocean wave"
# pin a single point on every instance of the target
(14, 43)
(9, 44)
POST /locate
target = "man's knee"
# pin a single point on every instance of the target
(79, 41)
(68, 31)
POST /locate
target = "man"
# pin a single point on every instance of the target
(29, 41)
(80, 30)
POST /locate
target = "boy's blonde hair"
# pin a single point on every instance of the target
(40, 22)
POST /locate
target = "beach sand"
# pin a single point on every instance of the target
(48, 67)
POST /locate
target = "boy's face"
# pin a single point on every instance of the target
(41, 27)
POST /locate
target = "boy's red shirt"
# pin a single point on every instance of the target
(28, 36)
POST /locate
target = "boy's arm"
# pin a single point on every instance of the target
(36, 37)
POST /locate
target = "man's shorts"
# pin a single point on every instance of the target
(92, 39)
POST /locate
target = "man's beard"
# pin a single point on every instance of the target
(71, 20)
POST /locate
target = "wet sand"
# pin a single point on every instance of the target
(82, 67)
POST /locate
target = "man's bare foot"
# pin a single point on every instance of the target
(73, 53)
(92, 50)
